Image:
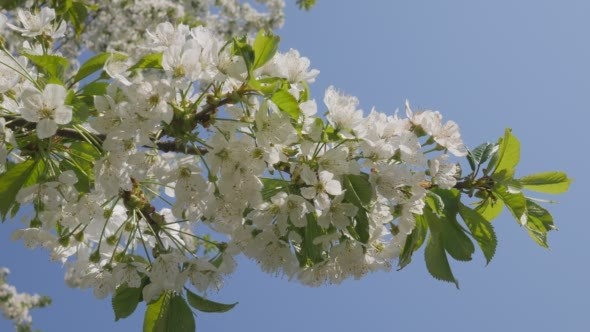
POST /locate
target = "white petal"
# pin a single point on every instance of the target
(63, 115)
(322, 201)
(54, 95)
(46, 128)
(308, 176)
(308, 192)
(333, 187)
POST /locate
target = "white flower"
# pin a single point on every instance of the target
(38, 24)
(343, 113)
(293, 67)
(320, 187)
(10, 72)
(442, 172)
(338, 214)
(46, 108)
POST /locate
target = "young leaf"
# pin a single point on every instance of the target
(17, 177)
(480, 155)
(272, 187)
(481, 230)
(204, 305)
(54, 66)
(311, 250)
(88, 91)
(180, 317)
(362, 226)
(286, 103)
(507, 158)
(414, 241)
(455, 241)
(82, 157)
(150, 61)
(91, 65)
(437, 262)
(516, 203)
(305, 4)
(547, 182)
(450, 199)
(266, 45)
(358, 190)
(155, 311)
(169, 313)
(490, 209)
(539, 223)
(435, 256)
(125, 301)
(77, 14)
(243, 49)
(436, 203)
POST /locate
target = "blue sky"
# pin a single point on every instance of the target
(484, 64)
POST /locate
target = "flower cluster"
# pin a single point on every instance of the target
(122, 25)
(15, 306)
(229, 144)
(155, 169)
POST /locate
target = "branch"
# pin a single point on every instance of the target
(16, 123)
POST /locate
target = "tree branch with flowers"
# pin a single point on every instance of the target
(178, 125)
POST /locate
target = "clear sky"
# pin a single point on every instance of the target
(485, 64)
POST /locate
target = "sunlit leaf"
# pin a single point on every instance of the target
(91, 66)
(16, 177)
(547, 182)
(508, 157)
(125, 301)
(481, 230)
(202, 304)
(265, 46)
(286, 103)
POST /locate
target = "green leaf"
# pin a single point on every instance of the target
(358, 190)
(481, 230)
(539, 223)
(12, 4)
(243, 49)
(125, 301)
(480, 155)
(311, 232)
(507, 158)
(266, 45)
(489, 208)
(435, 202)
(169, 313)
(306, 4)
(272, 187)
(179, 319)
(268, 85)
(82, 158)
(414, 241)
(547, 182)
(286, 103)
(54, 66)
(362, 226)
(17, 177)
(435, 256)
(77, 14)
(455, 241)
(88, 91)
(150, 61)
(450, 199)
(91, 66)
(155, 311)
(516, 203)
(204, 305)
